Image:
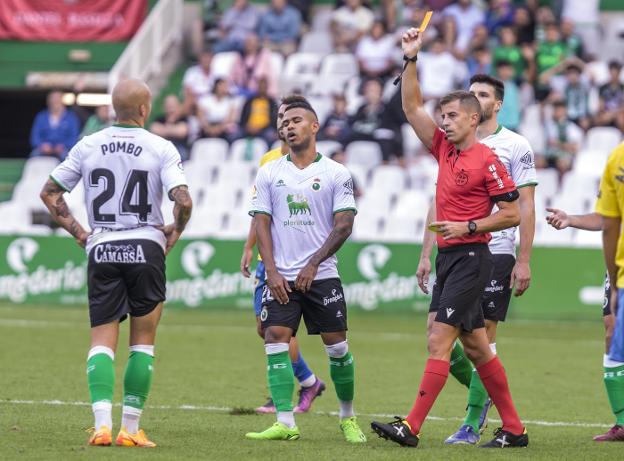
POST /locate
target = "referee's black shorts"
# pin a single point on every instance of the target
(462, 273)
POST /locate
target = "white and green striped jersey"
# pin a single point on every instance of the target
(302, 204)
(516, 154)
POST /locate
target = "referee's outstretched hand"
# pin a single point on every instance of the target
(279, 287)
(411, 42)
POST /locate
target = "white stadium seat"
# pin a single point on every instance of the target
(222, 63)
(590, 162)
(413, 203)
(359, 173)
(318, 42)
(328, 147)
(402, 229)
(248, 150)
(603, 138)
(366, 153)
(210, 150)
(390, 178)
(548, 182)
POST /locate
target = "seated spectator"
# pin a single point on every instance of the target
(509, 114)
(376, 53)
(259, 115)
(304, 7)
(280, 27)
(349, 23)
(500, 14)
(341, 157)
(549, 53)
(479, 62)
(577, 97)
(198, 81)
(509, 51)
(336, 126)
(439, 70)
(466, 17)
(55, 129)
(236, 25)
(173, 125)
(254, 64)
(563, 139)
(98, 121)
(217, 113)
(573, 41)
(611, 105)
(524, 25)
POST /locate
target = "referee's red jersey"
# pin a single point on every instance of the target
(469, 183)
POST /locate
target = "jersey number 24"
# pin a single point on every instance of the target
(137, 180)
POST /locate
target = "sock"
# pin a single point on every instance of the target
(494, 380)
(433, 380)
(137, 383)
(101, 380)
(302, 372)
(477, 395)
(614, 383)
(280, 377)
(461, 368)
(287, 418)
(342, 372)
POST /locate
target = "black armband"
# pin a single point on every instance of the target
(507, 197)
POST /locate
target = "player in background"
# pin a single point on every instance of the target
(516, 154)
(559, 219)
(471, 179)
(124, 169)
(304, 210)
(311, 386)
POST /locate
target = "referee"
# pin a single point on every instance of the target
(471, 180)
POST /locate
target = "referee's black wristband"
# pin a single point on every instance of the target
(407, 61)
(412, 59)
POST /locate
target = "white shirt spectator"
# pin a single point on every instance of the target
(360, 19)
(466, 19)
(198, 81)
(215, 110)
(439, 72)
(581, 11)
(376, 53)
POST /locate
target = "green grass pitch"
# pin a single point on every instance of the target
(208, 363)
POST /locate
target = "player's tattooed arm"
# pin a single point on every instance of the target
(52, 197)
(182, 208)
(343, 225)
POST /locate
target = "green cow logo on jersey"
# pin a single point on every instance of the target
(298, 204)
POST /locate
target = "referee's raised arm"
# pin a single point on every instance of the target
(411, 96)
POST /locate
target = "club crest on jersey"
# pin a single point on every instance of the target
(298, 204)
(316, 185)
(462, 178)
(123, 253)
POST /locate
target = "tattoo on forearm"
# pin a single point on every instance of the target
(60, 208)
(183, 206)
(52, 196)
(343, 224)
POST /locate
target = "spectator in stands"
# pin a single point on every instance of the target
(376, 53)
(337, 124)
(173, 125)
(466, 17)
(508, 50)
(303, 6)
(611, 105)
(349, 23)
(236, 25)
(198, 81)
(280, 27)
(573, 41)
(543, 17)
(563, 139)
(524, 25)
(341, 157)
(97, 121)
(259, 114)
(390, 135)
(500, 14)
(509, 114)
(216, 113)
(549, 53)
(577, 97)
(479, 62)
(439, 70)
(254, 64)
(55, 129)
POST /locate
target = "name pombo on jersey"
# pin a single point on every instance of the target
(121, 146)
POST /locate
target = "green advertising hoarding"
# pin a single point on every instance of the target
(203, 273)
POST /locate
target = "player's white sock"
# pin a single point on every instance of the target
(346, 409)
(309, 381)
(103, 413)
(287, 418)
(130, 417)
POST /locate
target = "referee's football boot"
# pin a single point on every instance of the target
(505, 439)
(398, 431)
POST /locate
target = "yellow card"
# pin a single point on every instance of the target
(425, 21)
(434, 228)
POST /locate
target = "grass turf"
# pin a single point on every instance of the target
(213, 362)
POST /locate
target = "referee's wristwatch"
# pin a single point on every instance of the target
(472, 227)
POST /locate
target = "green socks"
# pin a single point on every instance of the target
(100, 374)
(461, 368)
(614, 382)
(342, 372)
(281, 377)
(477, 395)
(138, 377)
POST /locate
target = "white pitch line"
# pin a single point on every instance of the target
(215, 409)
